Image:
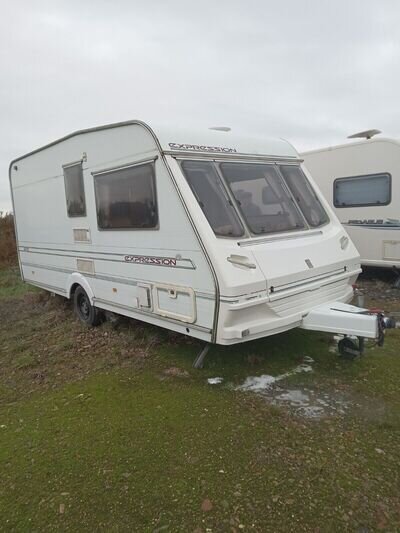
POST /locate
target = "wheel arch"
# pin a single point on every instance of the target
(76, 279)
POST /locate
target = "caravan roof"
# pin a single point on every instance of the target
(198, 140)
(351, 144)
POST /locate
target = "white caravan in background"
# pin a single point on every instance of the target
(207, 233)
(361, 180)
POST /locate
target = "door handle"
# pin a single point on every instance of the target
(240, 260)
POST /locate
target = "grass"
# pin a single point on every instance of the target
(111, 429)
(11, 284)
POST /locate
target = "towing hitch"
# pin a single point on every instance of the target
(349, 349)
(353, 322)
(384, 322)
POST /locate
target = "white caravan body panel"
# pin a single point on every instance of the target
(114, 267)
(178, 274)
(374, 229)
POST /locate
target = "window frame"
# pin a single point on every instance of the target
(275, 165)
(312, 190)
(225, 190)
(99, 173)
(65, 167)
(361, 176)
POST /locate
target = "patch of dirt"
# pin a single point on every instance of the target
(176, 372)
(44, 345)
(378, 285)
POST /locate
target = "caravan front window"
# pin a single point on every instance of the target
(213, 199)
(305, 196)
(261, 197)
(264, 201)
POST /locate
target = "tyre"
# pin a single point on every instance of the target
(84, 310)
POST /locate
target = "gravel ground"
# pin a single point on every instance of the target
(379, 284)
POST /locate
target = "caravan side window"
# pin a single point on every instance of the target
(126, 198)
(362, 191)
(74, 190)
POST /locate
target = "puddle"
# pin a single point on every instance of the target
(302, 401)
(310, 403)
(257, 383)
(265, 382)
(306, 401)
(215, 381)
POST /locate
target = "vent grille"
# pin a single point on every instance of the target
(85, 265)
(81, 235)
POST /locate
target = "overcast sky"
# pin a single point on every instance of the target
(312, 72)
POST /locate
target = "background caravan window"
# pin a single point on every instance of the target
(74, 190)
(362, 191)
(126, 198)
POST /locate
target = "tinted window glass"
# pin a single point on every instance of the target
(374, 189)
(304, 195)
(262, 198)
(74, 190)
(213, 199)
(126, 198)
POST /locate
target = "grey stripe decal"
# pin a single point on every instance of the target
(74, 250)
(86, 255)
(373, 226)
(56, 269)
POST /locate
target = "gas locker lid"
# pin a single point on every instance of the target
(295, 259)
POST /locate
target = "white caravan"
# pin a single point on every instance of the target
(221, 237)
(361, 180)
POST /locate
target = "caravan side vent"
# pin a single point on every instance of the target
(81, 235)
(84, 265)
(391, 250)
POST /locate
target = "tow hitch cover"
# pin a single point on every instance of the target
(345, 319)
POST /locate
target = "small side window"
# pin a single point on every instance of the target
(126, 198)
(362, 191)
(74, 190)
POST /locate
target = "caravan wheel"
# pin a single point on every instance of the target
(348, 349)
(84, 310)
